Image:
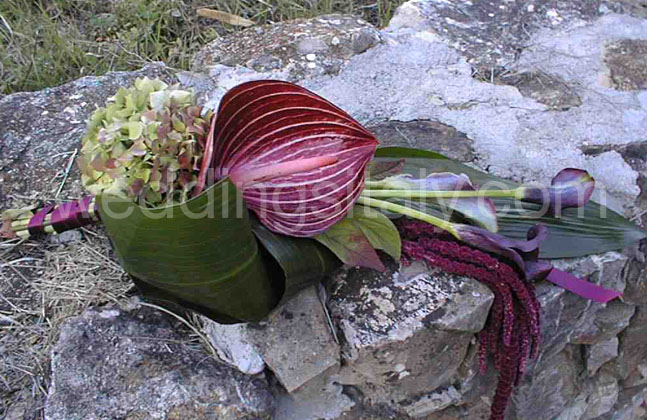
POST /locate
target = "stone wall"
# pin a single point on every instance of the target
(518, 88)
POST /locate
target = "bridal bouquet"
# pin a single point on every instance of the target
(231, 213)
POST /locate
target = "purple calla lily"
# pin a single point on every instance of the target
(569, 188)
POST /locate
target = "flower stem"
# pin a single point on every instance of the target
(514, 193)
(406, 211)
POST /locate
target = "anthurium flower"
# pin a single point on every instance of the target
(298, 160)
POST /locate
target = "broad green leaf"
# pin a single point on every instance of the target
(349, 243)
(297, 262)
(379, 230)
(408, 152)
(201, 254)
(598, 230)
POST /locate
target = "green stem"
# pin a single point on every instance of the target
(406, 211)
(20, 224)
(515, 193)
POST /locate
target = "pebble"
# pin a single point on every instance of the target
(311, 57)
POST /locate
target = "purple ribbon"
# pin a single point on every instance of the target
(581, 287)
(35, 225)
(72, 215)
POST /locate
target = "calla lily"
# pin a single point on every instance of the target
(569, 188)
(524, 254)
(298, 160)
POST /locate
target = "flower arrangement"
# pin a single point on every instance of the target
(146, 144)
(203, 208)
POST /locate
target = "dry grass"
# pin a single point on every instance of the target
(41, 285)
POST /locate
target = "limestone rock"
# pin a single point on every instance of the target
(432, 402)
(596, 399)
(602, 398)
(299, 48)
(112, 364)
(627, 63)
(321, 398)
(547, 89)
(514, 136)
(632, 358)
(492, 32)
(555, 384)
(234, 346)
(607, 324)
(405, 331)
(425, 134)
(295, 341)
(600, 353)
(631, 405)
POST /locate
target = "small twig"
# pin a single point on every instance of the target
(224, 17)
(409, 142)
(67, 172)
(202, 337)
(103, 257)
(61, 154)
(323, 298)
(6, 24)
(638, 216)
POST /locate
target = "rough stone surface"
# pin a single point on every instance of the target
(405, 331)
(429, 135)
(626, 60)
(600, 353)
(608, 323)
(111, 364)
(632, 358)
(490, 32)
(631, 405)
(321, 398)
(297, 49)
(295, 342)
(234, 346)
(544, 88)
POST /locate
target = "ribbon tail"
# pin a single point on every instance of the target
(581, 287)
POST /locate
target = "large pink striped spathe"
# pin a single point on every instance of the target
(299, 160)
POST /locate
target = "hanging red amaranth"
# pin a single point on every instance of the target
(512, 333)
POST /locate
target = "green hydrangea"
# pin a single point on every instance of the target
(146, 143)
